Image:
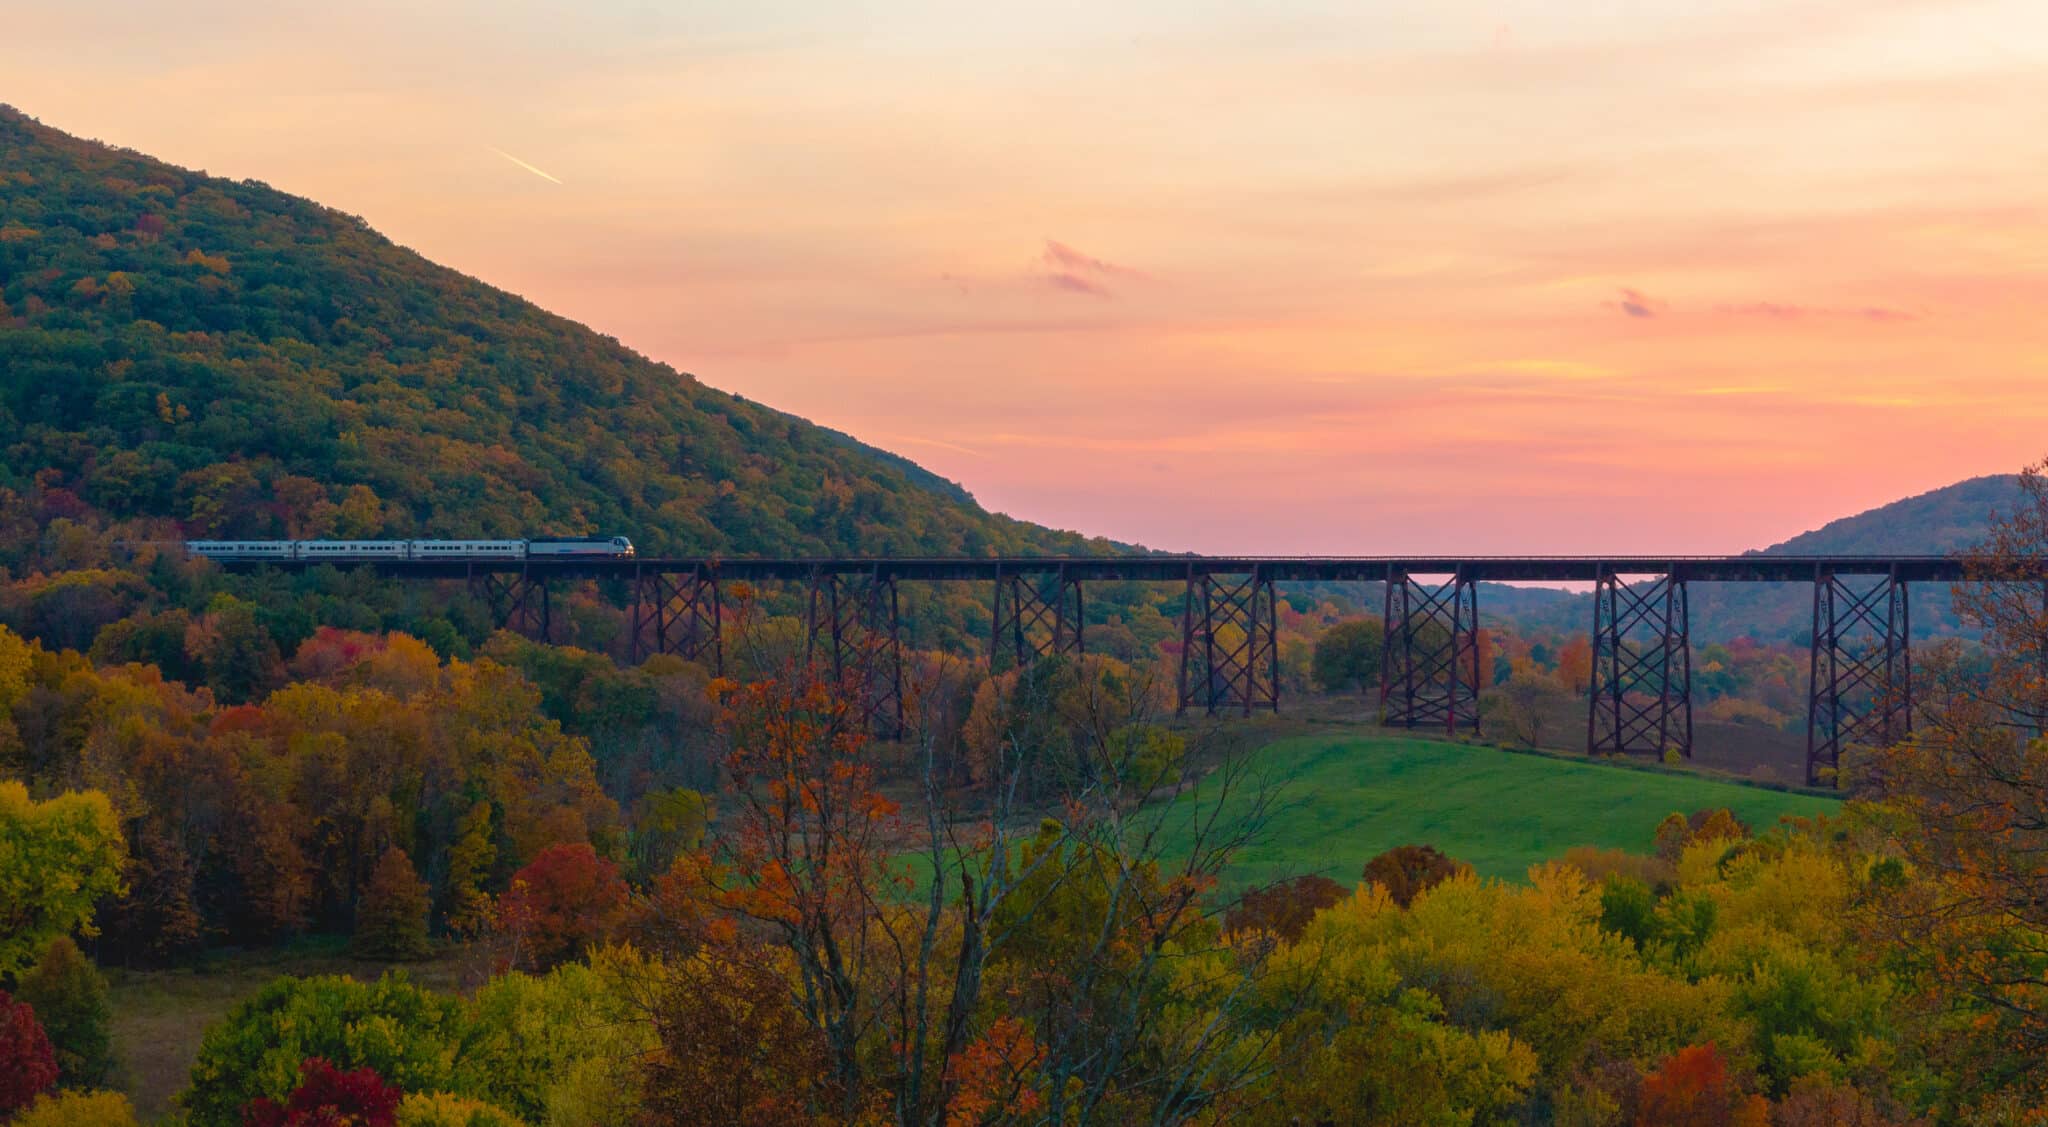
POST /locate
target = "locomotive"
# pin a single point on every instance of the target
(356, 551)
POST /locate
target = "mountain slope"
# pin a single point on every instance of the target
(1933, 523)
(206, 357)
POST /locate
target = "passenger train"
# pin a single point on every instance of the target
(356, 551)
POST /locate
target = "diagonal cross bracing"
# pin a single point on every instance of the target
(518, 601)
(1037, 614)
(1429, 666)
(1861, 682)
(678, 613)
(855, 617)
(1640, 698)
(1230, 650)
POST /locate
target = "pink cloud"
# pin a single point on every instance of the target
(1074, 283)
(1078, 272)
(1636, 303)
(1064, 257)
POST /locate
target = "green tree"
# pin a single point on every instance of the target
(57, 859)
(239, 657)
(1528, 706)
(391, 921)
(409, 1036)
(70, 999)
(1347, 657)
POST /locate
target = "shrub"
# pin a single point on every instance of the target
(70, 998)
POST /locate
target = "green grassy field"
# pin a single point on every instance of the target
(1351, 796)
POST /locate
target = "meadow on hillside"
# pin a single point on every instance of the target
(1352, 795)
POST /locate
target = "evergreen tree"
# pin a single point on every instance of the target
(469, 865)
(391, 921)
(70, 999)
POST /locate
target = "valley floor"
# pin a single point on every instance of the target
(1351, 791)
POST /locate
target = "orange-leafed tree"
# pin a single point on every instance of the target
(945, 958)
(1575, 663)
(1693, 1089)
(1964, 801)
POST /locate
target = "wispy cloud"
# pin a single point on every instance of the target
(1636, 303)
(1061, 255)
(1078, 272)
(1075, 283)
(523, 164)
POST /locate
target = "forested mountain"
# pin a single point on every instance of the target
(229, 360)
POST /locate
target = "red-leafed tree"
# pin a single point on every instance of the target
(1693, 1089)
(28, 1063)
(564, 900)
(329, 1097)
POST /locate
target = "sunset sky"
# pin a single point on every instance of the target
(1660, 276)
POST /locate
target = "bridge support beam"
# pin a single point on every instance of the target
(1861, 684)
(1230, 647)
(855, 617)
(1036, 615)
(518, 601)
(678, 613)
(1429, 668)
(1640, 699)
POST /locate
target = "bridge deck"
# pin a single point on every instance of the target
(1492, 569)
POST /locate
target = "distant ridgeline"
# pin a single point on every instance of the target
(183, 356)
(1934, 523)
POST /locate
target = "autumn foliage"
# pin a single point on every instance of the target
(28, 1065)
(329, 1097)
(560, 903)
(1407, 871)
(1283, 909)
(1693, 1089)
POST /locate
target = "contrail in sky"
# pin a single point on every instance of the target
(523, 164)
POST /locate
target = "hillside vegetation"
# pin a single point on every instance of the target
(225, 359)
